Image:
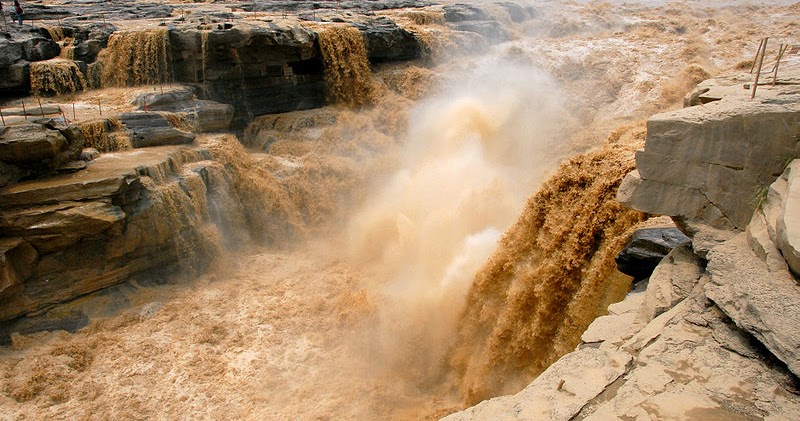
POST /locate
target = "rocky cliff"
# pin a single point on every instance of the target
(712, 334)
(258, 66)
(71, 224)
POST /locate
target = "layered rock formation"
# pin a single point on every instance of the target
(256, 67)
(708, 166)
(71, 224)
(141, 212)
(713, 333)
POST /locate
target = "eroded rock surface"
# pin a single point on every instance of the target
(18, 47)
(688, 362)
(153, 129)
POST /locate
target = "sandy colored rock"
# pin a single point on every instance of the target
(689, 362)
(109, 175)
(698, 162)
(30, 144)
(788, 226)
(671, 282)
(762, 245)
(765, 304)
(557, 394)
(74, 219)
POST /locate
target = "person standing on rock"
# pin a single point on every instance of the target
(18, 11)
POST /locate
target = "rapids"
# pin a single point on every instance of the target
(390, 279)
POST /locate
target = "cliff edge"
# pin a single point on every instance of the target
(713, 333)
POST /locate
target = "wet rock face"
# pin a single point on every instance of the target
(19, 47)
(461, 12)
(36, 149)
(90, 39)
(29, 144)
(153, 129)
(470, 18)
(258, 70)
(128, 212)
(385, 41)
(203, 115)
(646, 249)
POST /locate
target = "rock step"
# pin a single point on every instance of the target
(149, 129)
(128, 212)
(109, 175)
(646, 248)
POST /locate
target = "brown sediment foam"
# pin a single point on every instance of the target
(411, 81)
(105, 135)
(55, 77)
(424, 17)
(56, 32)
(271, 212)
(551, 275)
(196, 242)
(135, 58)
(347, 74)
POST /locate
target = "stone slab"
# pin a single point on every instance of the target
(765, 304)
(106, 176)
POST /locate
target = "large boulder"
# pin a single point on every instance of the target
(646, 248)
(491, 30)
(516, 12)
(708, 167)
(203, 115)
(30, 144)
(36, 149)
(19, 46)
(762, 302)
(461, 12)
(90, 39)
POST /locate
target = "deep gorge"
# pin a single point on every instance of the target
(385, 210)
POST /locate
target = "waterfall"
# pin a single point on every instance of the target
(347, 73)
(551, 275)
(56, 77)
(135, 58)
